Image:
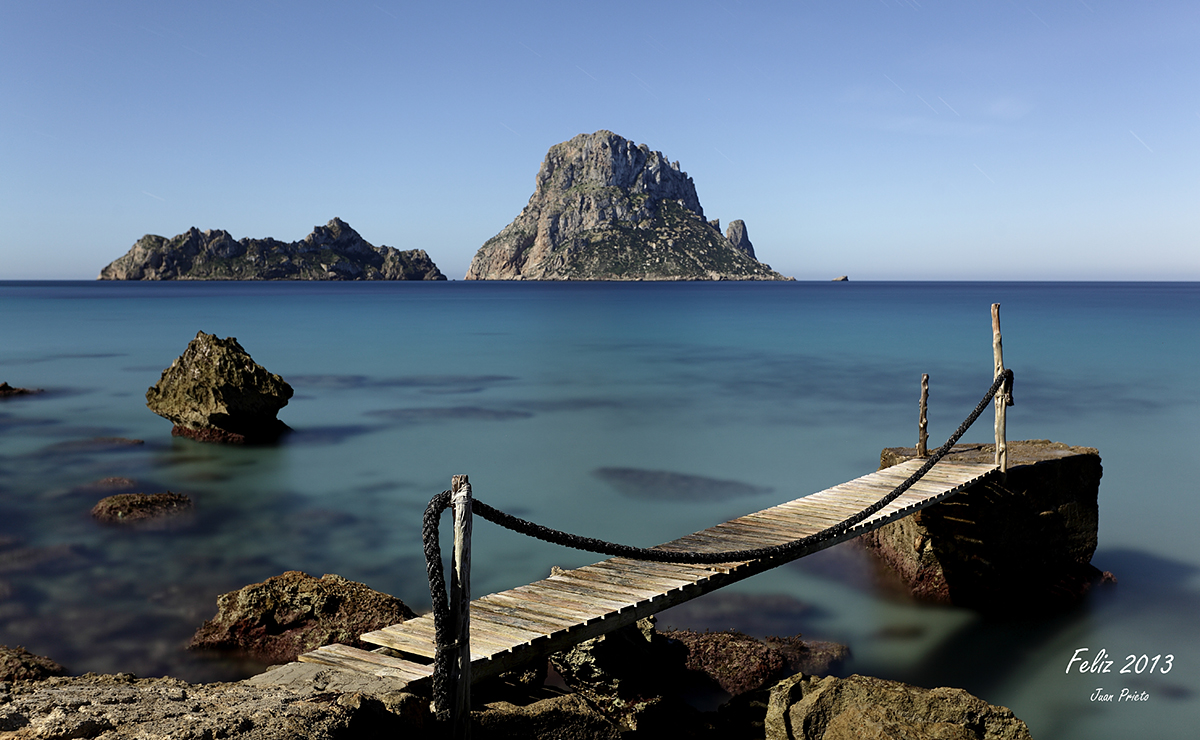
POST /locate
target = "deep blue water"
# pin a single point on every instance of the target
(534, 389)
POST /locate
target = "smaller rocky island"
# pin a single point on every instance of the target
(605, 208)
(331, 252)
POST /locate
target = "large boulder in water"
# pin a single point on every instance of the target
(1016, 546)
(215, 392)
(292, 613)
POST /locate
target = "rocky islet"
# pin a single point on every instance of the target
(604, 208)
(331, 252)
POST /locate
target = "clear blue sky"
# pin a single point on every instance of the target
(883, 139)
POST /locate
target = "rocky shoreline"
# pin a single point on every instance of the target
(633, 682)
(648, 697)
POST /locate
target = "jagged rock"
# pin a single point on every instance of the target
(292, 613)
(129, 508)
(331, 252)
(633, 676)
(215, 392)
(1021, 546)
(567, 717)
(739, 663)
(841, 279)
(18, 664)
(607, 209)
(809, 708)
(737, 237)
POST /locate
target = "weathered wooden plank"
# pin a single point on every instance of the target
(566, 600)
(524, 615)
(549, 604)
(694, 573)
(343, 656)
(614, 602)
(633, 588)
(620, 573)
(764, 529)
(506, 603)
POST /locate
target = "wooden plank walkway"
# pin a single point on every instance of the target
(511, 628)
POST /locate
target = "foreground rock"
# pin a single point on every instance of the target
(607, 209)
(289, 614)
(810, 708)
(18, 664)
(1018, 547)
(123, 706)
(215, 392)
(739, 663)
(130, 508)
(646, 681)
(331, 252)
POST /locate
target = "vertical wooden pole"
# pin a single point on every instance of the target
(923, 423)
(1001, 400)
(460, 605)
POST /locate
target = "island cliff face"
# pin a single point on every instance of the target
(331, 252)
(607, 209)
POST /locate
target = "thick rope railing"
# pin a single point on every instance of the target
(439, 503)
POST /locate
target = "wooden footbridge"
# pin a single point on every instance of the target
(514, 627)
(505, 630)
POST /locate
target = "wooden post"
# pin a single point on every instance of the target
(460, 605)
(923, 423)
(1001, 397)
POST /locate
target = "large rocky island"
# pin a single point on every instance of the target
(331, 252)
(605, 208)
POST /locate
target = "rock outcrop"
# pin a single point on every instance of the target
(292, 613)
(18, 664)
(809, 708)
(331, 252)
(647, 681)
(607, 209)
(140, 508)
(1019, 546)
(215, 392)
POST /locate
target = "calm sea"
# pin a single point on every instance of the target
(539, 391)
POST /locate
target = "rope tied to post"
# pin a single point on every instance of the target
(439, 503)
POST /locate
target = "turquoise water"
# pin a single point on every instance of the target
(783, 389)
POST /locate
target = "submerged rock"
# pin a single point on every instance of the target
(810, 708)
(215, 392)
(605, 208)
(292, 613)
(331, 252)
(668, 486)
(7, 391)
(1019, 546)
(128, 508)
(18, 664)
